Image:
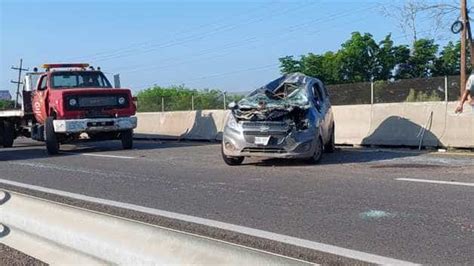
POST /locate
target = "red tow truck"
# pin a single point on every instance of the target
(67, 103)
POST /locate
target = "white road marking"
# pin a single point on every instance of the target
(436, 182)
(100, 155)
(339, 251)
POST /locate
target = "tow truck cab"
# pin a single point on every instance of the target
(72, 102)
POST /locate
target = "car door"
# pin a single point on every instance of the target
(324, 107)
(318, 103)
(39, 100)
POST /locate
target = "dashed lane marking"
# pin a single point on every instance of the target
(101, 155)
(436, 182)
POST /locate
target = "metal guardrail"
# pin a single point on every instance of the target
(61, 234)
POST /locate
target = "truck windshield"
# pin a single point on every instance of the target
(79, 79)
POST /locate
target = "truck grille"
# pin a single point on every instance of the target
(98, 102)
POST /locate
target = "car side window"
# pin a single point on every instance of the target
(317, 92)
(318, 99)
(43, 83)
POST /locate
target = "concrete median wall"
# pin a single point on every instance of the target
(397, 124)
(192, 125)
(400, 124)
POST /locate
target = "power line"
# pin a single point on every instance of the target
(202, 26)
(264, 67)
(282, 34)
(132, 52)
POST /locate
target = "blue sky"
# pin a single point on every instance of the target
(229, 45)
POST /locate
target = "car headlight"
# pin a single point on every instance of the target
(72, 102)
(232, 123)
(121, 100)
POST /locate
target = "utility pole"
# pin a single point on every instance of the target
(462, 84)
(18, 82)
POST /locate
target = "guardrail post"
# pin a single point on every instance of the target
(192, 102)
(162, 104)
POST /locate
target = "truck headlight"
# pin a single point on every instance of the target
(72, 102)
(121, 100)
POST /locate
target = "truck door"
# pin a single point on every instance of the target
(40, 100)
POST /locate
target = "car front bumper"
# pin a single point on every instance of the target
(94, 125)
(293, 145)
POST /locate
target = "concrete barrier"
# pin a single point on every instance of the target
(401, 124)
(192, 125)
(61, 234)
(395, 124)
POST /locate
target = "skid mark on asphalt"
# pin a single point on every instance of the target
(454, 183)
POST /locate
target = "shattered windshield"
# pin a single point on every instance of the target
(288, 94)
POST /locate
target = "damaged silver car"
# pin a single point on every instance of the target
(291, 117)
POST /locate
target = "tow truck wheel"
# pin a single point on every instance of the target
(231, 160)
(331, 145)
(52, 144)
(8, 134)
(318, 152)
(127, 139)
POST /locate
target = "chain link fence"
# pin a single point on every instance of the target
(405, 90)
(166, 103)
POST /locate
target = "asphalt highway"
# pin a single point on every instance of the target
(401, 204)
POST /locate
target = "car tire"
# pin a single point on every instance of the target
(52, 143)
(331, 145)
(8, 134)
(127, 139)
(232, 160)
(318, 152)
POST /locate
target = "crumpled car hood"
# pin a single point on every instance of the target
(276, 100)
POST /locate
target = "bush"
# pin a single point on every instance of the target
(6, 104)
(421, 96)
(180, 98)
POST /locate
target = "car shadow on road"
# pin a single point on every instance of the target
(340, 156)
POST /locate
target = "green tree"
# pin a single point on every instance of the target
(448, 62)
(289, 64)
(390, 57)
(421, 63)
(358, 57)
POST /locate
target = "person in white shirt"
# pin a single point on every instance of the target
(467, 92)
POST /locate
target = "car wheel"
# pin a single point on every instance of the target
(331, 145)
(8, 134)
(232, 160)
(52, 143)
(127, 139)
(318, 152)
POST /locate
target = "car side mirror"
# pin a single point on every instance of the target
(232, 105)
